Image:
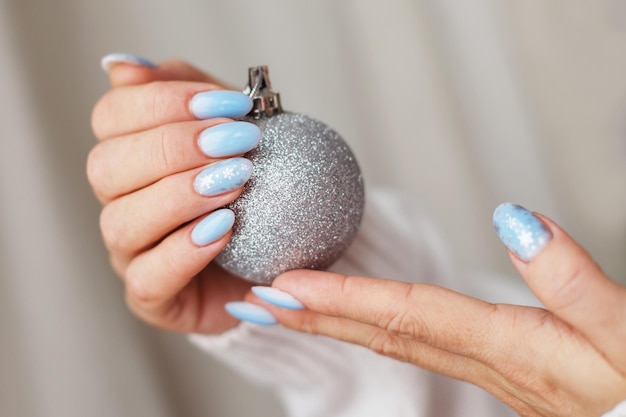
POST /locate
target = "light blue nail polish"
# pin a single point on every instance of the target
(250, 312)
(520, 231)
(277, 297)
(213, 227)
(223, 176)
(229, 139)
(220, 103)
(109, 60)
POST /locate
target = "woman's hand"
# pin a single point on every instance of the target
(168, 158)
(568, 359)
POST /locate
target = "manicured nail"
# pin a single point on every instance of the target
(520, 231)
(108, 61)
(220, 103)
(223, 176)
(250, 312)
(229, 139)
(277, 297)
(213, 227)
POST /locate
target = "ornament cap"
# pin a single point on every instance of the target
(265, 102)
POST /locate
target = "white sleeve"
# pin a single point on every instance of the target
(315, 376)
(619, 411)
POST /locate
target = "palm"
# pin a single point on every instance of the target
(199, 307)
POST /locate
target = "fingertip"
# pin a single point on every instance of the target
(109, 61)
(125, 69)
(312, 287)
(297, 280)
(128, 69)
(521, 231)
(220, 103)
(123, 75)
(277, 297)
(213, 227)
(252, 313)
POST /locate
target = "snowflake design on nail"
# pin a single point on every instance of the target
(223, 176)
(511, 222)
(520, 230)
(245, 167)
(205, 183)
(228, 173)
(525, 238)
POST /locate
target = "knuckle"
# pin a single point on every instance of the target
(163, 152)
(113, 232)
(385, 344)
(169, 206)
(160, 102)
(97, 170)
(334, 308)
(136, 288)
(100, 113)
(401, 324)
(309, 323)
(118, 265)
(405, 322)
(136, 307)
(544, 389)
(570, 288)
(172, 265)
(499, 315)
(312, 323)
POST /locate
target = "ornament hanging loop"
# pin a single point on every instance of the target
(265, 102)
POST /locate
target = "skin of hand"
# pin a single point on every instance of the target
(142, 170)
(567, 359)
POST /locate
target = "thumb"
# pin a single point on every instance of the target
(566, 279)
(127, 69)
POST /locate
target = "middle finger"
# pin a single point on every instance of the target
(119, 166)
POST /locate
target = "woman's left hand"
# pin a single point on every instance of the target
(568, 359)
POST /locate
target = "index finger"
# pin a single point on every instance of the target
(420, 312)
(136, 108)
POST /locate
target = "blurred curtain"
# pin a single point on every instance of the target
(458, 104)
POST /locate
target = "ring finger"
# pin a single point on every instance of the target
(136, 221)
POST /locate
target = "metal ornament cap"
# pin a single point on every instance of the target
(265, 102)
(303, 204)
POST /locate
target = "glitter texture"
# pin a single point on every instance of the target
(303, 204)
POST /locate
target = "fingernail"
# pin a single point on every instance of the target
(520, 231)
(223, 176)
(213, 227)
(220, 103)
(229, 139)
(108, 61)
(277, 297)
(250, 312)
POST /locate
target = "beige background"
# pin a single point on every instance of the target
(458, 104)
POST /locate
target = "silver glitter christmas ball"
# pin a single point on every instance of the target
(304, 202)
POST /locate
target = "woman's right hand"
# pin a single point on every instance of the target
(168, 157)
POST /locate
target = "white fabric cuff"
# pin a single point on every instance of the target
(619, 411)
